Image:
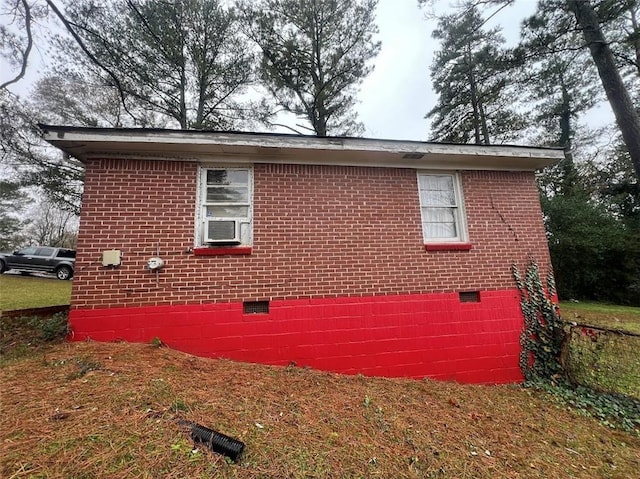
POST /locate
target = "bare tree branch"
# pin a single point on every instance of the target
(90, 55)
(27, 50)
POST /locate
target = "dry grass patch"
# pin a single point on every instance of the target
(95, 410)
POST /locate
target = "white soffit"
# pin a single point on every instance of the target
(189, 145)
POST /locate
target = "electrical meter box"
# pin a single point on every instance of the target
(155, 263)
(111, 257)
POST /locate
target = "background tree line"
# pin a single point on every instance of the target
(188, 64)
(246, 65)
(572, 55)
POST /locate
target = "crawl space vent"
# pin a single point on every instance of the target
(255, 307)
(469, 296)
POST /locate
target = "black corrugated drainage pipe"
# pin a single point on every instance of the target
(217, 442)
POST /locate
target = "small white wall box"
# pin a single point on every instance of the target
(155, 263)
(111, 257)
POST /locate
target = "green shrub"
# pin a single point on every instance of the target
(542, 339)
(543, 334)
(616, 411)
(50, 328)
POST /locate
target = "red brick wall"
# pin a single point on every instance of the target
(319, 231)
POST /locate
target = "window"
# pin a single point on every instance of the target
(442, 209)
(225, 206)
(44, 251)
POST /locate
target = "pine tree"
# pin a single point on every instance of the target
(12, 203)
(562, 85)
(315, 53)
(184, 60)
(469, 75)
(627, 117)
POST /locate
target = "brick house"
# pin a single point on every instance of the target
(387, 258)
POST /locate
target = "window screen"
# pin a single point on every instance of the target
(441, 209)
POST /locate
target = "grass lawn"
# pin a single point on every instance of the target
(603, 360)
(24, 292)
(111, 410)
(625, 318)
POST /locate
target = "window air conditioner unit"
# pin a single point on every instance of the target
(222, 232)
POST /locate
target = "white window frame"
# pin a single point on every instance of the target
(246, 223)
(459, 209)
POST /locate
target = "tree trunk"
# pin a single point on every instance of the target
(635, 38)
(319, 111)
(483, 123)
(569, 179)
(202, 103)
(619, 99)
(474, 97)
(184, 119)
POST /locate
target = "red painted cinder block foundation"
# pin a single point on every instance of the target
(419, 335)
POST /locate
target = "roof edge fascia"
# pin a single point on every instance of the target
(84, 142)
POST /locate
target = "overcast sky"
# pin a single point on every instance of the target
(394, 99)
(396, 96)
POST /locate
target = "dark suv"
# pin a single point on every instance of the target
(44, 259)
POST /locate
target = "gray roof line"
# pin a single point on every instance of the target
(289, 136)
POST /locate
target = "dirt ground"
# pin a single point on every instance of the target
(96, 410)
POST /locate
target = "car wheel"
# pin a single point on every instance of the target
(3, 266)
(63, 272)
